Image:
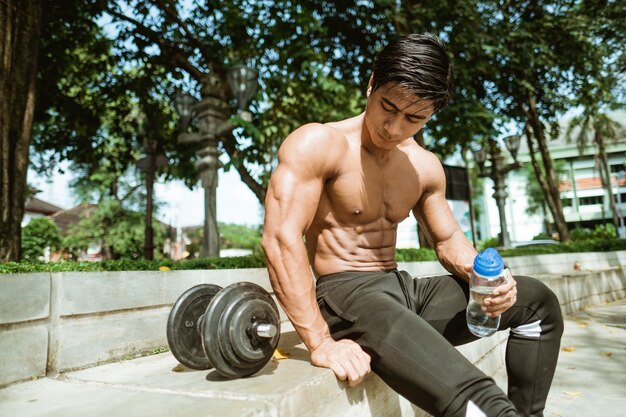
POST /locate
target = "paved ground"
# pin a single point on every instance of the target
(590, 381)
(591, 375)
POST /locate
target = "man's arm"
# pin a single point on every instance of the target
(307, 158)
(453, 249)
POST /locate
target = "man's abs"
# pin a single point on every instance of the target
(369, 247)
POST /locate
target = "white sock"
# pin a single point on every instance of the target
(472, 410)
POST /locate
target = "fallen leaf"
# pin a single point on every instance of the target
(573, 393)
(178, 368)
(582, 325)
(568, 348)
(555, 414)
(607, 354)
(164, 268)
(281, 354)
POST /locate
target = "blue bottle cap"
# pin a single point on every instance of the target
(488, 263)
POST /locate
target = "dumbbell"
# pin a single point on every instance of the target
(234, 329)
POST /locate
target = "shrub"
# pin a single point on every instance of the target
(580, 233)
(415, 255)
(542, 236)
(236, 262)
(239, 236)
(492, 242)
(37, 235)
(604, 231)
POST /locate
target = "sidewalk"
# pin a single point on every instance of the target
(590, 381)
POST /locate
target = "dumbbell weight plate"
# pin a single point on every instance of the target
(229, 341)
(183, 336)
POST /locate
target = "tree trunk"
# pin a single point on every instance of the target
(553, 195)
(536, 167)
(20, 26)
(605, 176)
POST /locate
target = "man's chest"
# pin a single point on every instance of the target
(366, 192)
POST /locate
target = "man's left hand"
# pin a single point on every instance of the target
(503, 297)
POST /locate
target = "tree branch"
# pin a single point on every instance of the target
(172, 12)
(179, 56)
(230, 146)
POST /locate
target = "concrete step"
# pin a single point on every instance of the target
(589, 381)
(158, 386)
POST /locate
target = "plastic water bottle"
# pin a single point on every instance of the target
(488, 273)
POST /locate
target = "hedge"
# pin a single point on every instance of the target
(258, 261)
(235, 262)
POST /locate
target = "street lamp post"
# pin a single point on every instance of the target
(150, 163)
(497, 172)
(213, 124)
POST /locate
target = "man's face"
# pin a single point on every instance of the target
(393, 114)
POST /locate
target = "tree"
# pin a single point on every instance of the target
(535, 194)
(20, 23)
(158, 44)
(537, 50)
(513, 62)
(600, 88)
(300, 48)
(240, 236)
(119, 231)
(597, 129)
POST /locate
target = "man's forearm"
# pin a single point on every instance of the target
(291, 279)
(456, 254)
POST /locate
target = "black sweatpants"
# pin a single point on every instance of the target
(410, 326)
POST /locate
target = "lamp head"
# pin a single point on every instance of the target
(184, 104)
(512, 143)
(243, 82)
(480, 156)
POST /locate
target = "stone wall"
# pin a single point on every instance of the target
(56, 322)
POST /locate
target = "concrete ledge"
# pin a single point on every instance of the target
(90, 340)
(53, 323)
(24, 353)
(24, 297)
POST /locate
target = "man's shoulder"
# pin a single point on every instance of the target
(421, 158)
(315, 148)
(427, 165)
(315, 138)
(318, 133)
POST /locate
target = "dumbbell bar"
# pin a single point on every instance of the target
(234, 329)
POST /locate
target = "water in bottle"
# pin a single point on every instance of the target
(487, 274)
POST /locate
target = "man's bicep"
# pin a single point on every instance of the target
(434, 214)
(292, 199)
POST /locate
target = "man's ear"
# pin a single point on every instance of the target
(370, 83)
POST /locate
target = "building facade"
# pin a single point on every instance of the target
(585, 201)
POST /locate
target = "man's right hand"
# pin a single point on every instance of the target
(346, 359)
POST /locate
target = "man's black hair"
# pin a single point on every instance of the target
(418, 63)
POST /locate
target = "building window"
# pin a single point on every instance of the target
(567, 202)
(617, 168)
(590, 201)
